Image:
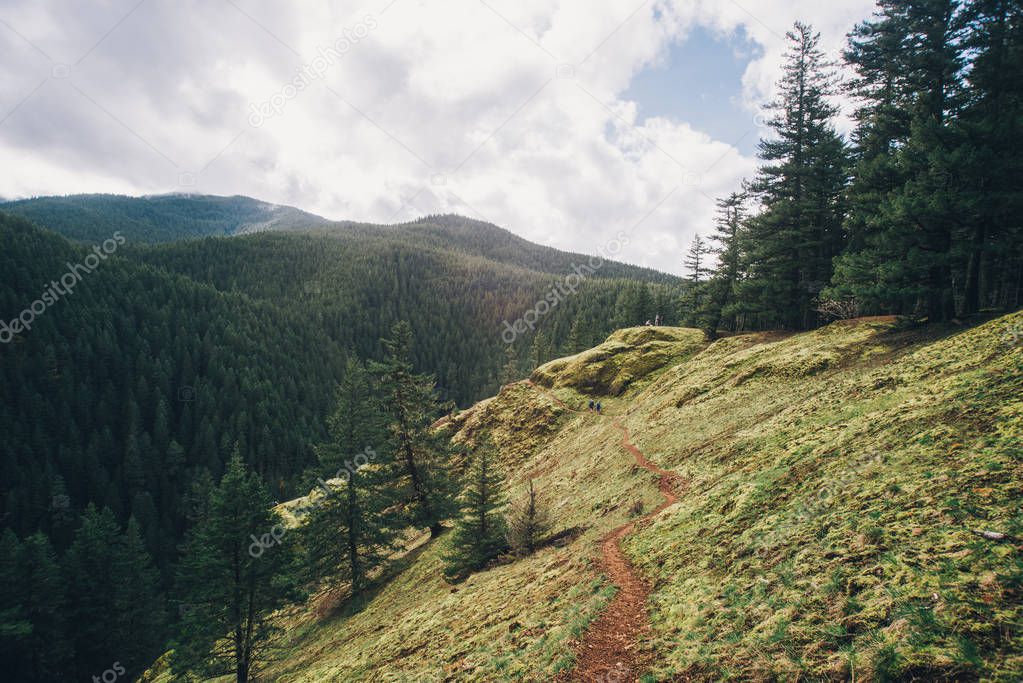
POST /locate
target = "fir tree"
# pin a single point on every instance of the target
(510, 372)
(237, 569)
(421, 453)
(696, 260)
(719, 304)
(990, 240)
(799, 230)
(15, 628)
(909, 192)
(529, 522)
(350, 529)
(47, 650)
(882, 125)
(480, 534)
(541, 349)
(577, 337)
(138, 604)
(696, 265)
(93, 581)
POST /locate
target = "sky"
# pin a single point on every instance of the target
(567, 122)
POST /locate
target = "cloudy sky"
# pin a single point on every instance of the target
(565, 121)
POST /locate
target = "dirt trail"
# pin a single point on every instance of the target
(608, 651)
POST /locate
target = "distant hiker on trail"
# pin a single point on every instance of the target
(598, 407)
(648, 324)
(591, 405)
(657, 320)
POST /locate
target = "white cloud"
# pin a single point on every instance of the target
(515, 104)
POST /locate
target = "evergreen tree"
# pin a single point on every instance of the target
(634, 306)
(480, 534)
(541, 349)
(93, 618)
(350, 528)
(920, 185)
(696, 260)
(114, 604)
(578, 338)
(47, 650)
(529, 522)
(15, 628)
(197, 498)
(421, 453)
(510, 372)
(138, 604)
(990, 242)
(696, 264)
(720, 303)
(882, 125)
(798, 232)
(237, 569)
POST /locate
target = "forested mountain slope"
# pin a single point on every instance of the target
(173, 217)
(157, 218)
(128, 385)
(849, 509)
(355, 287)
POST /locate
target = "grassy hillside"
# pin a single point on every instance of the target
(837, 482)
(517, 621)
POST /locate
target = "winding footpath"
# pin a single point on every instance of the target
(608, 650)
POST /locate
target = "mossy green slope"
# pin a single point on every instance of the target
(836, 480)
(624, 361)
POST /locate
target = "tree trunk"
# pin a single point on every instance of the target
(971, 294)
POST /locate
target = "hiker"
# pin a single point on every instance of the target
(648, 324)
(591, 405)
(657, 320)
(598, 407)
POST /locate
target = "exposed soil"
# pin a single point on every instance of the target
(608, 652)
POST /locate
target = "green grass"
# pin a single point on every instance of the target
(837, 499)
(834, 480)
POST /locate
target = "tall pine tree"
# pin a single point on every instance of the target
(238, 568)
(351, 529)
(720, 304)
(697, 266)
(800, 186)
(990, 244)
(910, 203)
(481, 532)
(422, 453)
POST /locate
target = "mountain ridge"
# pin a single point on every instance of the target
(172, 217)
